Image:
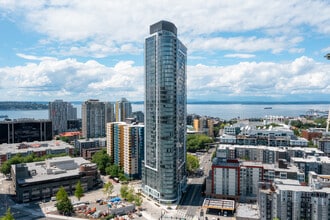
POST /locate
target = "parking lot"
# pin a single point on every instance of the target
(151, 210)
(92, 200)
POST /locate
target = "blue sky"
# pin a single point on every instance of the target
(237, 50)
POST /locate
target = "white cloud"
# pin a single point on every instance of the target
(98, 29)
(70, 79)
(268, 79)
(31, 57)
(326, 50)
(105, 27)
(247, 44)
(239, 55)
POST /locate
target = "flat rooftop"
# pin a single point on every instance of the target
(291, 168)
(221, 204)
(295, 188)
(311, 159)
(277, 149)
(247, 211)
(50, 169)
(35, 146)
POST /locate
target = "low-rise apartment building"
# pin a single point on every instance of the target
(41, 180)
(238, 180)
(87, 147)
(287, 199)
(39, 148)
(318, 164)
(265, 154)
(273, 137)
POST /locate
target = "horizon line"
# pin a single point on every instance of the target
(203, 102)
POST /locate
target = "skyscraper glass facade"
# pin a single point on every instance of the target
(164, 173)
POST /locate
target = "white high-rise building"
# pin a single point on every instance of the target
(59, 113)
(95, 115)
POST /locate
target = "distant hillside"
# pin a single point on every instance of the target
(7, 106)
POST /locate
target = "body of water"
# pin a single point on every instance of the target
(223, 111)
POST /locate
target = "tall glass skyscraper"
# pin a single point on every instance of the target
(164, 171)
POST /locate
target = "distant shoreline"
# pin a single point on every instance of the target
(258, 103)
(190, 102)
(250, 103)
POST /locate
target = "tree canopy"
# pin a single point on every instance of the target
(116, 171)
(113, 170)
(102, 160)
(108, 188)
(192, 163)
(63, 203)
(8, 215)
(128, 194)
(197, 142)
(79, 192)
(124, 191)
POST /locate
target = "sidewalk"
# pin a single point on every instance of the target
(63, 217)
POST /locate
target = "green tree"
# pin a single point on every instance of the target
(64, 139)
(108, 188)
(192, 163)
(130, 197)
(138, 200)
(79, 192)
(113, 170)
(124, 191)
(102, 160)
(216, 130)
(8, 215)
(5, 167)
(122, 177)
(296, 132)
(197, 142)
(321, 122)
(61, 194)
(63, 203)
(29, 158)
(65, 206)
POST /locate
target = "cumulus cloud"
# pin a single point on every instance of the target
(303, 76)
(239, 55)
(247, 44)
(70, 79)
(98, 29)
(105, 27)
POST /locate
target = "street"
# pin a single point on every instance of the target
(192, 200)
